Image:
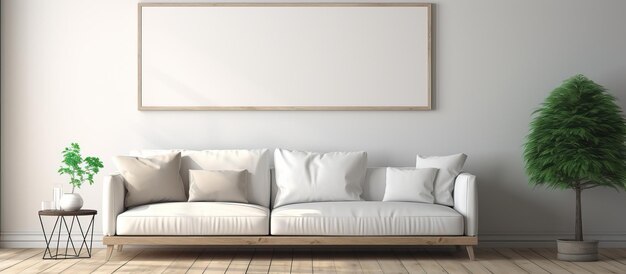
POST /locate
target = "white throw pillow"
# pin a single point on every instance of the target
(410, 185)
(151, 179)
(315, 177)
(449, 167)
(218, 186)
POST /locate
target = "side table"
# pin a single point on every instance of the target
(62, 222)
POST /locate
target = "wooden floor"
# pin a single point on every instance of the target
(342, 260)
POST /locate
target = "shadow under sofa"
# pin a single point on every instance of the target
(370, 222)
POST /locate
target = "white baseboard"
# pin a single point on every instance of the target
(540, 240)
(614, 240)
(36, 240)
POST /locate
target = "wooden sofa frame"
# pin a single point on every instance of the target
(468, 241)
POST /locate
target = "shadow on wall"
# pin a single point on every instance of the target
(502, 201)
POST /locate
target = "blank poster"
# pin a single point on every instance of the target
(284, 56)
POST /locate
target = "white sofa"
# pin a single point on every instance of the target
(367, 222)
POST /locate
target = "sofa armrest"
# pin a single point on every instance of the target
(466, 201)
(112, 202)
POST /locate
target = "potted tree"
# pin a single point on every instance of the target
(80, 170)
(577, 141)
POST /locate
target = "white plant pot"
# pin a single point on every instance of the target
(71, 202)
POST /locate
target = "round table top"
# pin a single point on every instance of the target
(80, 212)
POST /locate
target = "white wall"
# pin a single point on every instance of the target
(69, 74)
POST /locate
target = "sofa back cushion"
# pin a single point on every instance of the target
(449, 167)
(304, 177)
(255, 161)
(375, 183)
(373, 186)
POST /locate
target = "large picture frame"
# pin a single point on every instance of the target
(284, 56)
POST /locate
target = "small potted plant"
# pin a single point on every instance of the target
(80, 171)
(577, 141)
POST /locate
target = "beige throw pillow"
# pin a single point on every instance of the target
(255, 161)
(218, 186)
(152, 179)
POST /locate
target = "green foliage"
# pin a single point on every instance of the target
(577, 139)
(80, 170)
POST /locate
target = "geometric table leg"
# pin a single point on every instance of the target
(61, 223)
(48, 239)
(84, 234)
(70, 241)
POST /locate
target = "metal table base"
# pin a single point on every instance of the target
(71, 251)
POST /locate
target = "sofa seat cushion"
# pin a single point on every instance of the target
(371, 218)
(194, 218)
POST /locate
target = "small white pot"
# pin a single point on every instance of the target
(71, 202)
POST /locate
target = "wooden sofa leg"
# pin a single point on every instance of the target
(119, 248)
(470, 252)
(109, 252)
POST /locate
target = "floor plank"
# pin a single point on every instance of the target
(475, 266)
(184, 261)
(615, 254)
(614, 266)
(201, 263)
(98, 264)
(261, 260)
(550, 254)
(427, 263)
(241, 261)
(281, 262)
(33, 265)
(496, 263)
(389, 262)
(148, 261)
(521, 261)
(541, 261)
(315, 260)
(97, 255)
(447, 261)
(368, 262)
(323, 261)
(600, 266)
(345, 261)
(22, 260)
(408, 261)
(221, 260)
(6, 253)
(302, 261)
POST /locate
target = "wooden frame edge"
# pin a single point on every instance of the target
(139, 58)
(430, 57)
(141, 107)
(283, 4)
(282, 108)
